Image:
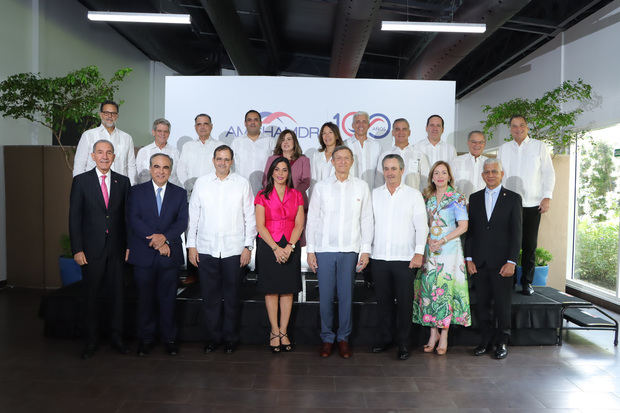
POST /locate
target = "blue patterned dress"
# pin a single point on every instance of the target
(441, 292)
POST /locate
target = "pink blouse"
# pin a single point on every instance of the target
(280, 215)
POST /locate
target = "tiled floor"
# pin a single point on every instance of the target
(46, 375)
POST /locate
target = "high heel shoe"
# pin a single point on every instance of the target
(285, 347)
(430, 349)
(441, 351)
(274, 349)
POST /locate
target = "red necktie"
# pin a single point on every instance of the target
(104, 191)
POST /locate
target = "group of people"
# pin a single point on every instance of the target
(355, 207)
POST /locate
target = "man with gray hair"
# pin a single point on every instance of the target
(467, 168)
(365, 151)
(492, 246)
(416, 168)
(400, 232)
(161, 133)
(339, 239)
(98, 243)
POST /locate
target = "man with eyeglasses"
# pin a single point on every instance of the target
(468, 167)
(125, 160)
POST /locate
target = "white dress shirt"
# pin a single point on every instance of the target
(321, 168)
(416, 170)
(163, 190)
(443, 151)
(124, 160)
(467, 172)
(251, 157)
(365, 158)
(340, 217)
(528, 170)
(221, 216)
(401, 225)
(196, 160)
(143, 162)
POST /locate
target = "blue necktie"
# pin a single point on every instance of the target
(158, 201)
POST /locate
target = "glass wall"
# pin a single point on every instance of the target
(597, 211)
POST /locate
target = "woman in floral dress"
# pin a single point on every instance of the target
(441, 292)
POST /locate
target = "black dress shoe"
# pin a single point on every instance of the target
(118, 345)
(403, 353)
(501, 351)
(481, 349)
(210, 347)
(144, 348)
(89, 351)
(172, 348)
(527, 289)
(230, 347)
(379, 348)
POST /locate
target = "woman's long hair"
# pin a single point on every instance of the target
(289, 179)
(431, 187)
(334, 129)
(297, 152)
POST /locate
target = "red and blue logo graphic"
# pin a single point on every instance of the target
(269, 117)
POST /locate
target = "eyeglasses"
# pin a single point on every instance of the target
(110, 113)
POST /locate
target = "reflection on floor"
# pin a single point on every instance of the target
(38, 374)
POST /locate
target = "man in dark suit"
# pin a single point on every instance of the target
(98, 240)
(492, 247)
(157, 216)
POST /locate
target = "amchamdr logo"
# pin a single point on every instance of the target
(380, 125)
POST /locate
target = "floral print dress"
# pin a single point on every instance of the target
(441, 291)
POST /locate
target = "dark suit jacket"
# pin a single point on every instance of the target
(143, 221)
(492, 243)
(89, 219)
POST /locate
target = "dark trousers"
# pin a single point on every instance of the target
(531, 222)
(103, 283)
(393, 280)
(220, 281)
(157, 287)
(494, 299)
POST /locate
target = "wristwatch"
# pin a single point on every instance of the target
(292, 246)
(250, 247)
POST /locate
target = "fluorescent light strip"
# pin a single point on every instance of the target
(110, 16)
(433, 27)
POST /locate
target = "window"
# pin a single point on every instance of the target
(597, 214)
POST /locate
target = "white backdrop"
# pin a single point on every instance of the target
(304, 104)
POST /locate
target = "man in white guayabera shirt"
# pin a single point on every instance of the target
(338, 241)
(467, 168)
(197, 155)
(220, 236)
(433, 146)
(161, 133)
(252, 151)
(417, 166)
(125, 159)
(366, 151)
(528, 171)
(397, 250)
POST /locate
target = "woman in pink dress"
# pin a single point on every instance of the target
(280, 222)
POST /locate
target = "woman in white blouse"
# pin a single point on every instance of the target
(321, 165)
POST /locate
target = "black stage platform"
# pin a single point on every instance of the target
(536, 319)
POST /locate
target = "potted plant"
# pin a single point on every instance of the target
(542, 258)
(70, 271)
(546, 116)
(53, 101)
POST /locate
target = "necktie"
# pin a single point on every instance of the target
(489, 205)
(158, 201)
(104, 191)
